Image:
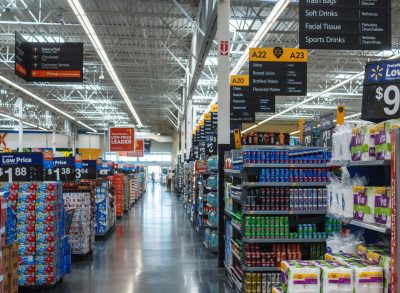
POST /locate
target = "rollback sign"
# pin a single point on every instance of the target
(381, 92)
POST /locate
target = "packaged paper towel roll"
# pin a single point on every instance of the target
(383, 210)
(300, 276)
(380, 255)
(356, 148)
(364, 203)
(367, 143)
(335, 277)
(367, 278)
(347, 202)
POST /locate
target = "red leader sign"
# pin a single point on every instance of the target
(139, 149)
(122, 139)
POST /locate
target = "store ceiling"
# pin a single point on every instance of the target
(148, 43)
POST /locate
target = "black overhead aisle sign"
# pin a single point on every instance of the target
(345, 24)
(211, 138)
(381, 93)
(277, 72)
(243, 105)
(21, 167)
(48, 62)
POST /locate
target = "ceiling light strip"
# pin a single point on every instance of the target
(37, 98)
(90, 32)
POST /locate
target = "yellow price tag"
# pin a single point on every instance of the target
(201, 122)
(207, 116)
(214, 108)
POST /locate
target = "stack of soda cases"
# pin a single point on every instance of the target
(256, 256)
(266, 227)
(260, 283)
(10, 191)
(105, 215)
(294, 175)
(80, 231)
(286, 157)
(40, 228)
(126, 194)
(118, 181)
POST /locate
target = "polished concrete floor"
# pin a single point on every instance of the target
(153, 249)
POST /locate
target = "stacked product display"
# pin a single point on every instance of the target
(80, 198)
(118, 182)
(135, 187)
(275, 207)
(105, 208)
(208, 204)
(127, 199)
(43, 250)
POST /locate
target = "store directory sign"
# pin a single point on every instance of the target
(277, 72)
(48, 62)
(345, 24)
(21, 167)
(381, 92)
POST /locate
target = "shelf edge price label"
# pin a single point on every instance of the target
(21, 167)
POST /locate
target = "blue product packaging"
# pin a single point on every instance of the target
(26, 239)
(267, 175)
(26, 260)
(26, 280)
(48, 248)
(26, 249)
(45, 259)
(45, 280)
(27, 270)
(25, 207)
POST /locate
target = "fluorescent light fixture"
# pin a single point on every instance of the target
(295, 132)
(90, 32)
(88, 127)
(37, 98)
(24, 122)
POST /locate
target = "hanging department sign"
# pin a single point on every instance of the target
(277, 71)
(122, 139)
(345, 24)
(139, 149)
(381, 93)
(48, 62)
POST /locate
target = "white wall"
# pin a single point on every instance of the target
(45, 140)
(161, 147)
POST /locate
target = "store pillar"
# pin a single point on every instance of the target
(223, 114)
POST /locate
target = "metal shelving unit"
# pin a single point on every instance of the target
(242, 183)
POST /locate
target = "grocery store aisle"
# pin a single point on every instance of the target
(154, 249)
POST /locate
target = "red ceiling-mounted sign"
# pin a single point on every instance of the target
(224, 48)
(122, 139)
(139, 149)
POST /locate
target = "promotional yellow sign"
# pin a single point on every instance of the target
(214, 108)
(240, 80)
(340, 115)
(237, 137)
(201, 122)
(207, 116)
(278, 54)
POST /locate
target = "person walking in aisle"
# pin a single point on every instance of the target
(169, 181)
(153, 178)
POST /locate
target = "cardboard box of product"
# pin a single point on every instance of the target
(14, 282)
(13, 256)
(6, 259)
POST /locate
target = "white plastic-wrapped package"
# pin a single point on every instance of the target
(300, 276)
(364, 203)
(383, 209)
(368, 142)
(335, 277)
